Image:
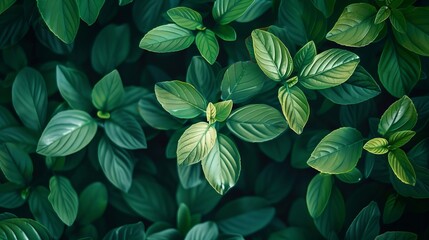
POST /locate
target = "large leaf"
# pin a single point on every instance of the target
(66, 133)
(186, 17)
(356, 27)
(332, 219)
(226, 11)
(133, 231)
(15, 164)
(272, 55)
(167, 38)
(399, 69)
(62, 18)
(401, 115)
(274, 182)
(397, 235)
(23, 229)
(180, 99)
(49, 40)
(13, 26)
(338, 152)
(222, 165)
(125, 131)
(329, 69)
(295, 107)
(419, 153)
(92, 203)
(111, 48)
(256, 123)
(358, 88)
(74, 87)
(108, 93)
(4, 5)
(196, 143)
(393, 208)
(89, 10)
(318, 194)
(207, 45)
(30, 98)
(19, 136)
(201, 199)
(401, 166)
(366, 225)
(116, 163)
(419, 190)
(207, 230)
(64, 199)
(255, 10)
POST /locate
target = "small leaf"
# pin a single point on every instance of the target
(210, 113)
(225, 32)
(183, 219)
(128, 231)
(207, 45)
(23, 228)
(74, 88)
(354, 176)
(108, 93)
(223, 109)
(401, 115)
(186, 17)
(89, 10)
(397, 235)
(256, 123)
(92, 203)
(393, 208)
(304, 56)
(226, 11)
(401, 166)
(318, 194)
(398, 21)
(272, 55)
(196, 143)
(295, 107)
(64, 199)
(15, 164)
(207, 231)
(382, 14)
(377, 146)
(125, 131)
(366, 225)
(167, 38)
(400, 138)
(66, 133)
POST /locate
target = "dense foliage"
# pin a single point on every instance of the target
(214, 119)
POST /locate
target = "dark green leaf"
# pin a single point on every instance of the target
(20, 136)
(401, 115)
(278, 148)
(419, 154)
(304, 56)
(318, 194)
(202, 76)
(92, 203)
(13, 26)
(207, 45)
(22, 229)
(332, 219)
(421, 104)
(183, 219)
(393, 208)
(49, 40)
(366, 225)
(225, 32)
(64, 199)
(398, 21)
(10, 198)
(14, 56)
(133, 231)
(226, 11)
(74, 88)
(400, 138)
(125, 131)
(303, 146)
(325, 6)
(419, 190)
(148, 14)
(207, 230)
(186, 17)
(402, 167)
(16, 164)
(354, 176)
(274, 182)
(89, 10)
(167, 38)
(125, 2)
(397, 235)
(190, 175)
(201, 199)
(154, 115)
(357, 115)
(295, 107)
(4, 5)
(108, 93)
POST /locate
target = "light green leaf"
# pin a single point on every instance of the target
(206, 231)
(196, 143)
(225, 32)
(15, 164)
(272, 55)
(129, 231)
(417, 30)
(393, 208)
(402, 167)
(167, 38)
(377, 146)
(201, 199)
(295, 107)
(318, 194)
(304, 56)
(186, 17)
(22, 229)
(66, 133)
(111, 48)
(64, 199)
(398, 21)
(255, 10)
(400, 138)
(226, 11)
(354, 176)
(274, 182)
(125, 131)
(382, 14)
(108, 93)
(62, 18)
(397, 235)
(399, 69)
(74, 88)
(401, 115)
(222, 165)
(242, 81)
(325, 6)
(223, 109)
(419, 190)
(30, 98)
(366, 225)
(338, 152)
(89, 10)
(210, 113)
(92, 203)
(329, 69)
(207, 45)
(180, 99)
(116, 163)
(256, 123)
(4, 5)
(355, 27)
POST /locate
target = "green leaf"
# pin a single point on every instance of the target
(223, 109)
(329, 69)
(49, 40)
(399, 69)
(167, 38)
(189, 175)
(398, 21)
(226, 11)
(30, 98)
(150, 200)
(207, 230)
(397, 3)
(402, 167)
(62, 18)
(125, 2)
(377, 146)
(64, 199)
(108, 93)
(241, 82)
(318, 194)
(74, 88)
(16, 164)
(422, 106)
(66, 133)
(400, 138)
(358, 88)
(116, 163)
(278, 148)
(304, 56)
(15, 57)
(325, 6)
(201, 75)
(397, 235)
(416, 32)
(89, 10)
(13, 26)
(183, 219)
(244, 215)
(393, 208)
(125, 131)
(366, 225)
(111, 48)
(355, 27)
(419, 190)
(4, 5)
(382, 14)
(225, 32)
(255, 10)
(295, 107)
(196, 143)
(332, 219)
(256, 123)
(338, 152)
(19, 136)
(92, 203)
(354, 176)
(401, 115)
(271, 55)
(201, 199)
(129, 231)
(222, 165)
(180, 99)
(149, 14)
(274, 182)
(419, 154)
(22, 229)
(186, 17)
(207, 45)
